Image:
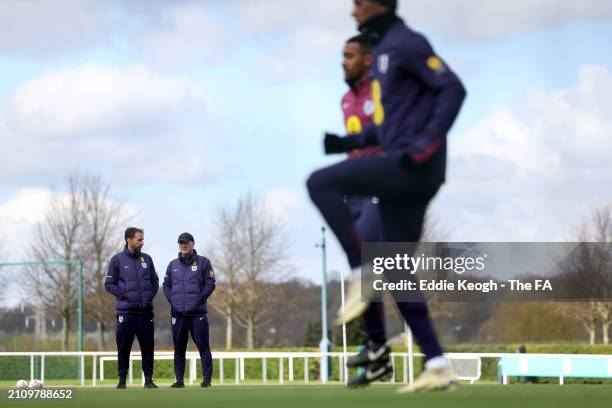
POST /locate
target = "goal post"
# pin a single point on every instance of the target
(78, 263)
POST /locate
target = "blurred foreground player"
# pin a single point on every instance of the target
(132, 279)
(357, 108)
(416, 100)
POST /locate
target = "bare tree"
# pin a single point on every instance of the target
(588, 269)
(583, 312)
(83, 224)
(528, 322)
(250, 254)
(602, 233)
(58, 237)
(605, 313)
(263, 261)
(226, 258)
(103, 222)
(433, 231)
(2, 287)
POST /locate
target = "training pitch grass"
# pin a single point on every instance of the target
(317, 396)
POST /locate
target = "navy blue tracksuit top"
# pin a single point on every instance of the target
(416, 96)
(188, 284)
(132, 279)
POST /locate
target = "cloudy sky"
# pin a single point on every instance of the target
(184, 105)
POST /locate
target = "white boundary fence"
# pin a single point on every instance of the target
(466, 366)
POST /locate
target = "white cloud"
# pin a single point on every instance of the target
(467, 21)
(19, 215)
(306, 35)
(130, 122)
(274, 16)
(96, 99)
(47, 27)
(457, 21)
(189, 167)
(174, 33)
(28, 205)
(170, 33)
(532, 171)
(283, 203)
(186, 33)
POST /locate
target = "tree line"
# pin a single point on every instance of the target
(256, 290)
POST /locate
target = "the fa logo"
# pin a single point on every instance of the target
(173, 321)
(383, 63)
(120, 319)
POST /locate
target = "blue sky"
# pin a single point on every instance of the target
(183, 106)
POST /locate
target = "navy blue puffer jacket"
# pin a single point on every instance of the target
(132, 279)
(188, 284)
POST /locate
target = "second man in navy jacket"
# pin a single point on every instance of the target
(188, 283)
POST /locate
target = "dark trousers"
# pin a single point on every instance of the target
(404, 194)
(198, 327)
(126, 327)
(365, 214)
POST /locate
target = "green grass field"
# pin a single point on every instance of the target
(316, 396)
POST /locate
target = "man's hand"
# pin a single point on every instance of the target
(333, 144)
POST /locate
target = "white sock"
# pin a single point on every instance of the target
(436, 363)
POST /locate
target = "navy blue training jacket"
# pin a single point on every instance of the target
(416, 95)
(188, 284)
(132, 279)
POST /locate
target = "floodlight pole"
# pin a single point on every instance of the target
(324, 344)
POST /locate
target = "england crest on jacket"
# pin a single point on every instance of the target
(143, 262)
(383, 63)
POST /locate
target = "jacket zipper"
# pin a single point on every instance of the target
(184, 285)
(142, 305)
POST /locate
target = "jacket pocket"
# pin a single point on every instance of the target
(122, 291)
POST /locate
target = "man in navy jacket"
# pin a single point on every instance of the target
(132, 279)
(189, 282)
(416, 98)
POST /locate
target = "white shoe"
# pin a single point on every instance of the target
(356, 301)
(431, 380)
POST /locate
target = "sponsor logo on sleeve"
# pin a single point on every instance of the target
(436, 65)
